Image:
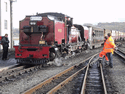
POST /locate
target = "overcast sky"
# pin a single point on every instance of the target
(82, 11)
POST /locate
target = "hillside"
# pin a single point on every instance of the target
(119, 26)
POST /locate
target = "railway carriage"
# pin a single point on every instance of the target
(96, 37)
(113, 34)
(117, 35)
(120, 35)
(123, 35)
(106, 31)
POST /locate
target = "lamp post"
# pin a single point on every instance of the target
(11, 21)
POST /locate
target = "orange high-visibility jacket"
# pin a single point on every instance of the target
(103, 53)
(104, 45)
(109, 45)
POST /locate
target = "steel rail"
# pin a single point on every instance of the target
(15, 72)
(121, 50)
(103, 80)
(120, 54)
(19, 72)
(47, 81)
(85, 77)
(11, 70)
(84, 82)
(59, 86)
(30, 91)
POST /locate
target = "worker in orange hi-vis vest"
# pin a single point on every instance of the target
(102, 53)
(109, 48)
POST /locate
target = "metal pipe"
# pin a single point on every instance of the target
(11, 21)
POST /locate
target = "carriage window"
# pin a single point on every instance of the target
(97, 33)
(100, 33)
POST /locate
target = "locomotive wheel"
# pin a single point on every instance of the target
(52, 56)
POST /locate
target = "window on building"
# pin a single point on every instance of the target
(5, 24)
(6, 6)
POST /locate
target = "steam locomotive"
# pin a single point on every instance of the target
(43, 37)
(46, 36)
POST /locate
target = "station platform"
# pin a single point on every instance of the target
(6, 64)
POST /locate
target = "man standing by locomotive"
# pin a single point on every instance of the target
(5, 43)
(69, 25)
(109, 49)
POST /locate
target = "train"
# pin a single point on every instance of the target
(43, 37)
(46, 36)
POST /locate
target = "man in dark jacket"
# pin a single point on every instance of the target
(5, 43)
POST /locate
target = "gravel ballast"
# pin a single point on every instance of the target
(37, 77)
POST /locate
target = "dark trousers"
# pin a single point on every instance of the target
(5, 52)
(109, 55)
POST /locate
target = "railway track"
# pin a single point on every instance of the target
(19, 72)
(94, 82)
(120, 53)
(85, 79)
(16, 73)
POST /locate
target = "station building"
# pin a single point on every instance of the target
(5, 25)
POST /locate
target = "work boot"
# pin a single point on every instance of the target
(111, 66)
(6, 58)
(100, 60)
(106, 63)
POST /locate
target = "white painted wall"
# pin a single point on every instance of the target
(5, 15)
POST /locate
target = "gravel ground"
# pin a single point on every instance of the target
(117, 74)
(22, 85)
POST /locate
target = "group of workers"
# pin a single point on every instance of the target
(108, 49)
